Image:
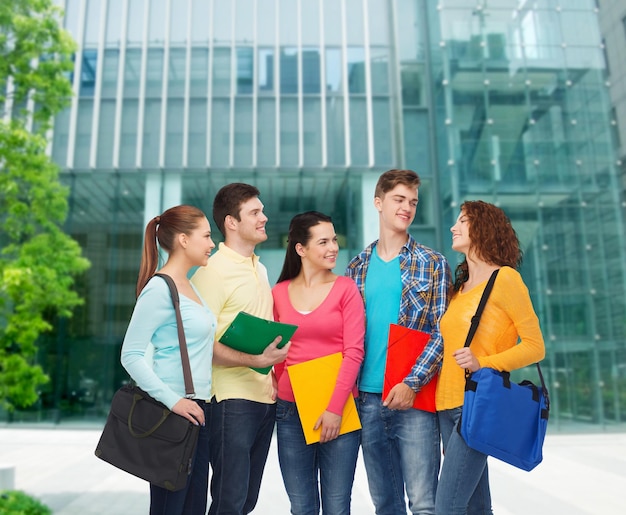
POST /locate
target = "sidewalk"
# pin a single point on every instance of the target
(582, 474)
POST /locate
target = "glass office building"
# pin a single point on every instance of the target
(310, 100)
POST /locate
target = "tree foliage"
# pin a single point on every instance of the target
(38, 261)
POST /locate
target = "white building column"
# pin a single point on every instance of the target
(163, 190)
(369, 215)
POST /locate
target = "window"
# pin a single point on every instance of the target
(265, 73)
(245, 65)
(88, 73)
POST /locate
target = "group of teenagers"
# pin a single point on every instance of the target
(395, 280)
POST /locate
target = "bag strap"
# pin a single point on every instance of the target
(481, 308)
(184, 355)
(545, 392)
(474, 327)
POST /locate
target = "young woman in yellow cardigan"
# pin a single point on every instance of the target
(508, 337)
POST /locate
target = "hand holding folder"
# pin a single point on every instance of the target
(252, 335)
(404, 346)
(313, 383)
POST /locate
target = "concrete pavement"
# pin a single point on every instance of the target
(582, 474)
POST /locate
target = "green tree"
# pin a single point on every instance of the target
(38, 261)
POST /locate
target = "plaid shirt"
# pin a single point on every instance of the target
(426, 281)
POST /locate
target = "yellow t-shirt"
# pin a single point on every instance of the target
(508, 317)
(231, 283)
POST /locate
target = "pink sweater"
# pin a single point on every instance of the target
(336, 325)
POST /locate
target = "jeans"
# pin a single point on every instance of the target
(300, 464)
(401, 451)
(192, 499)
(241, 433)
(464, 481)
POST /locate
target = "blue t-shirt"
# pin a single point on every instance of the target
(383, 290)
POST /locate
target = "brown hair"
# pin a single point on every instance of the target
(492, 238)
(299, 232)
(228, 202)
(164, 229)
(391, 178)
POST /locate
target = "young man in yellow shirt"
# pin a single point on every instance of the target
(243, 406)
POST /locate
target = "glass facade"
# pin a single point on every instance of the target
(310, 100)
(523, 115)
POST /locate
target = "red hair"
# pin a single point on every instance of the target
(492, 238)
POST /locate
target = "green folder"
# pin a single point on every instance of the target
(251, 335)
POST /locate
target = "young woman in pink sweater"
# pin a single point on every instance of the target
(328, 310)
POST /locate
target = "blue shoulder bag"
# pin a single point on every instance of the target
(500, 418)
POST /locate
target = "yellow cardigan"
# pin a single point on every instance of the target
(508, 317)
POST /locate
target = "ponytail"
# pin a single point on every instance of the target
(164, 229)
(150, 254)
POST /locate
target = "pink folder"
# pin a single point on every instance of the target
(403, 348)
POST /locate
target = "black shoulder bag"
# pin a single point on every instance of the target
(503, 419)
(143, 437)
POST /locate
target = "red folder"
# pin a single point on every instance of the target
(403, 348)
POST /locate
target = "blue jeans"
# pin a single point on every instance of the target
(400, 451)
(192, 499)
(241, 433)
(300, 464)
(464, 481)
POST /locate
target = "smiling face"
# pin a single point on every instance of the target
(250, 228)
(198, 244)
(321, 250)
(460, 234)
(397, 208)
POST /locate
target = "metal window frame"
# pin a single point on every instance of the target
(187, 93)
(209, 103)
(323, 119)
(141, 112)
(165, 83)
(368, 87)
(346, 91)
(233, 86)
(78, 66)
(119, 93)
(97, 97)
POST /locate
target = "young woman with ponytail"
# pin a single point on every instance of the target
(184, 233)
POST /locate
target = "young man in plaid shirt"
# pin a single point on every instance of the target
(404, 283)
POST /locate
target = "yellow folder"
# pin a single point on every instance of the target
(313, 383)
